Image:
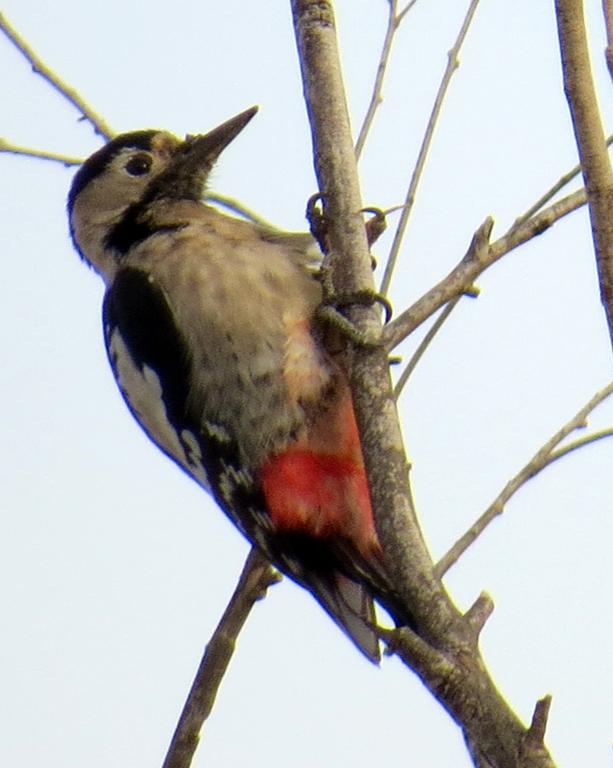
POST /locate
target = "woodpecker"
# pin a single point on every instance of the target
(210, 329)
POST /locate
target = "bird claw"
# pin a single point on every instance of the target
(331, 316)
(330, 312)
(375, 226)
(330, 309)
(318, 223)
(367, 298)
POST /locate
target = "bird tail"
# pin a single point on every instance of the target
(352, 608)
(344, 582)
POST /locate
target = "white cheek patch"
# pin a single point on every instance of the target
(142, 391)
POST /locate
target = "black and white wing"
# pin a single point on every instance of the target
(152, 363)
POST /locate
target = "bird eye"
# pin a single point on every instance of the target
(138, 165)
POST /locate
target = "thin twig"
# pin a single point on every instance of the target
(232, 204)
(393, 22)
(607, 7)
(593, 437)
(479, 612)
(463, 275)
(38, 154)
(452, 65)
(538, 726)
(255, 579)
(541, 459)
(552, 191)
(532, 750)
(40, 68)
(423, 346)
(404, 11)
(377, 97)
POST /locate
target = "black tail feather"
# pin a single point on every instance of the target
(345, 583)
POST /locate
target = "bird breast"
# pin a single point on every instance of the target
(245, 307)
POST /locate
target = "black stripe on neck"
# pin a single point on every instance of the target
(135, 228)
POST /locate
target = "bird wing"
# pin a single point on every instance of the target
(151, 360)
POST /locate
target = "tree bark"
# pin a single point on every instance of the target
(445, 651)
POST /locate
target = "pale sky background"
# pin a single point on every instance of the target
(115, 567)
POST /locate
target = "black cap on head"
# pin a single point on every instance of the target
(96, 163)
(183, 177)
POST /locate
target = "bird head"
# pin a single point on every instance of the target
(119, 184)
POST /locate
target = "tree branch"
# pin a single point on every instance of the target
(545, 456)
(452, 64)
(478, 258)
(40, 68)
(374, 403)
(255, 579)
(216, 198)
(553, 191)
(590, 138)
(393, 22)
(38, 154)
(533, 748)
(594, 437)
(234, 205)
(607, 7)
(444, 652)
(424, 344)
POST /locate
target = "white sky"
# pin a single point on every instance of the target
(114, 567)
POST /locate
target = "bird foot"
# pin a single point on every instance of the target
(330, 312)
(318, 223)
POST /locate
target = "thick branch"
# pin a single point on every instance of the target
(444, 652)
(463, 689)
(255, 579)
(590, 138)
(406, 554)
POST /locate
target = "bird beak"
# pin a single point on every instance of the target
(204, 149)
(191, 163)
